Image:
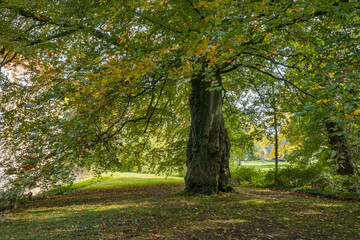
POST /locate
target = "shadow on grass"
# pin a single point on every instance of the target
(157, 212)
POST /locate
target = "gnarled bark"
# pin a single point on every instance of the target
(208, 148)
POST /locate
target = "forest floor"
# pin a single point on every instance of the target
(140, 206)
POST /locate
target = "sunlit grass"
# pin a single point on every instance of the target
(145, 206)
(116, 180)
(263, 164)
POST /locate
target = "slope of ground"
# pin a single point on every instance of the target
(126, 207)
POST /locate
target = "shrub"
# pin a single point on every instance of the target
(11, 197)
(344, 183)
(294, 176)
(247, 176)
(313, 179)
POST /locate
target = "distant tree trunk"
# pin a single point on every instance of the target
(276, 142)
(208, 148)
(276, 137)
(339, 145)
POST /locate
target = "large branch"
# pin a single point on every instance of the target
(268, 74)
(68, 27)
(281, 79)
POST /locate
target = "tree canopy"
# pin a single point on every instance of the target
(106, 83)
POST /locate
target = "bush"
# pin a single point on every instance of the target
(11, 197)
(314, 176)
(313, 179)
(344, 183)
(294, 176)
(290, 176)
(247, 176)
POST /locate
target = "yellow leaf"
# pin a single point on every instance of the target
(101, 2)
(272, 53)
(323, 101)
(238, 41)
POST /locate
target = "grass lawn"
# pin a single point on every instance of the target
(263, 164)
(118, 180)
(142, 206)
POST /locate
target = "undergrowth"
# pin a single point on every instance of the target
(313, 179)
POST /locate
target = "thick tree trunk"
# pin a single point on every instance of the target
(208, 148)
(339, 145)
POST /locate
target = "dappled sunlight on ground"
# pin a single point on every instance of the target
(159, 212)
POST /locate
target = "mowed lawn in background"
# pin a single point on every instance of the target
(144, 206)
(263, 164)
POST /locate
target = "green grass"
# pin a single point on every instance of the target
(263, 164)
(114, 180)
(118, 180)
(82, 184)
(143, 206)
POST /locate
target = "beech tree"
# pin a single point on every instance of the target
(110, 77)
